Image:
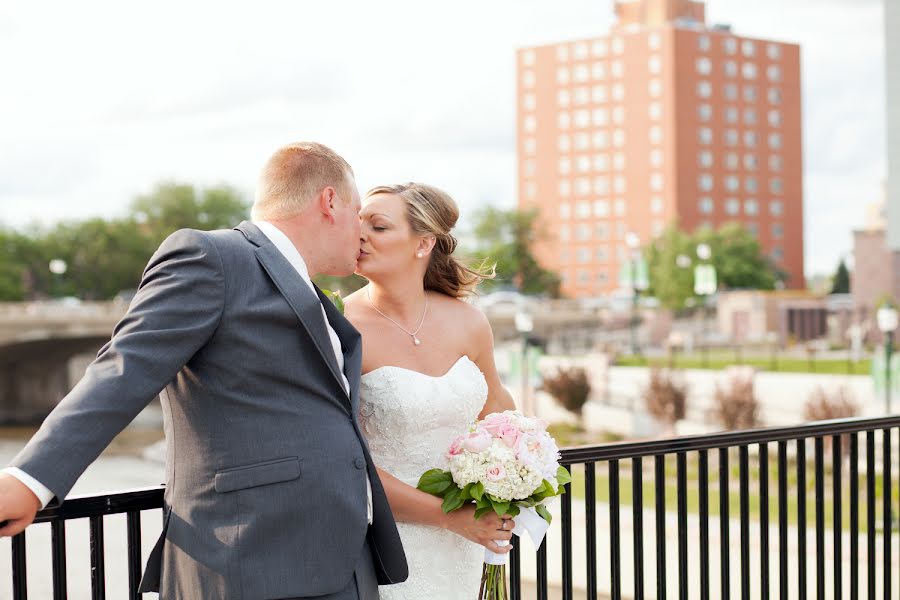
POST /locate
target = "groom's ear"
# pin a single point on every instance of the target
(327, 203)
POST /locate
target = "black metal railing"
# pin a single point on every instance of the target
(692, 565)
(690, 571)
(94, 508)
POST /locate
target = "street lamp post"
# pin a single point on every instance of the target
(887, 318)
(58, 267)
(525, 325)
(704, 286)
(637, 278)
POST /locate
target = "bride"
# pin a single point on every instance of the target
(428, 364)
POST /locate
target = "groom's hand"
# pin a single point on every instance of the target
(18, 505)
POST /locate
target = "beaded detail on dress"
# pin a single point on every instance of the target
(410, 419)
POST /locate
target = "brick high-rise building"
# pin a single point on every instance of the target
(663, 119)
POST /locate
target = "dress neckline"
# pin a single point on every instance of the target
(452, 367)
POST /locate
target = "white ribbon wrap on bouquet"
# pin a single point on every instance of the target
(528, 521)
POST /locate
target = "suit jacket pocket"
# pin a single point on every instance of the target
(264, 473)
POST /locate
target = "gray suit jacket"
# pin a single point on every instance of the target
(266, 465)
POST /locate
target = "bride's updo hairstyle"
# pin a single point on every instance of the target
(432, 212)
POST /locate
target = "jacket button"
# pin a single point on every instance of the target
(360, 463)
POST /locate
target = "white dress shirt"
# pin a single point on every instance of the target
(290, 252)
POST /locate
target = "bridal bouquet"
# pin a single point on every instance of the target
(507, 464)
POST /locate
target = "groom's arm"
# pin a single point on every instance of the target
(174, 313)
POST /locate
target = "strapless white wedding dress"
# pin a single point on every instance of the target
(410, 419)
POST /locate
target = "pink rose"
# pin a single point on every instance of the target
(509, 434)
(494, 421)
(456, 448)
(478, 441)
(495, 473)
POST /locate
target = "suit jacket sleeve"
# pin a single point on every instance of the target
(175, 312)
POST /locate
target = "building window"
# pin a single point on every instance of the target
(731, 91)
(580, 50)
(706, 205)
(619, 161)
(749, 93)
(656, 134)
(583, 164)
(600, 140)
(565, 188)
(528, 79)
(618, 115)
(562, 75)
(618, 92)
(601, 230)
(778, 253)
(773, 51)
(584, 256)
(749, 116)
(601, 185)
(732, 162)
(654, 41)
(581, 96)
(582, 210)
(654, 111)
(582, 140)
(562, 98)
(598, 94)
(704, 112)
(775, 185)
(618, 45)
(583, 232)
(598, 71)
(773, 72)
(582, 118)
(654, 88)
(705, 135)
(564, 276)
(750, 139)
(775, 162)
(748, 48)
(774, 96)
(774, 118)
(601, 162)
(530, 145)
(731, 68)
(563, 120)
(732, 206)
(656, 158)
(654, 64)
(530, 190)
(583, 277)
(732, 183)
(656, 205)
(704, 89)
(775, 141)
(619, 186)
(751, 207)
(530, 123)
(731, 137)
(582, 186)
(602, 254)
(617, 69)
(730, 45)
(528, 58)
(598, 48)
(776, 208)
(619, 207)
(777, 231)
(750, 162)
(656, 182)
(564, 233)
(602, 278)
(618, 138)
(529, 102)
(705, 182)
(581, 73)
(528, 168)
(562, 52)
(703, 65)
(601, 209)
(751, 185)
(703, 43)
(705, 159)
(731, 114)
(753, 228)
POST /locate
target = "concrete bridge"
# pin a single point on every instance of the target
(46, 346)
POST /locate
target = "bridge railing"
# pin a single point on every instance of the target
(769, 491)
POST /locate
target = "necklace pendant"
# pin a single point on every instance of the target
(416, 341)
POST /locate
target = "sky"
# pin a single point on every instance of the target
(100, 100)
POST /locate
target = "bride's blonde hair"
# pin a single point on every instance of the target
(431, 211)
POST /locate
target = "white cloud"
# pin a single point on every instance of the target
(104, 98)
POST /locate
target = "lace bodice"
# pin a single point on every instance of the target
(410, 419)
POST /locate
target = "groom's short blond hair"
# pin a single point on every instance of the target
(295, 175)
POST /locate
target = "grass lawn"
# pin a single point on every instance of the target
(718, 360)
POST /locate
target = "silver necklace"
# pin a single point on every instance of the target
(411, 334)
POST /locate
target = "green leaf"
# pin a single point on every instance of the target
(478, 491)
(466, 493)
(563, 476)
(501, 508)
(483, 510)
(484, 502)
(452, 500)
(435, 482)
(514, 510)
(542, 510)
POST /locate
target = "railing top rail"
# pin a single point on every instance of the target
(80, 507)
(727, 439)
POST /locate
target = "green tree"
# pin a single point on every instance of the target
(172, 206)
(507, 238)
(12, 271)
(672, 285)
(840, 284)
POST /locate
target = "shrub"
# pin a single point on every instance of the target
(666, 396)
(570, 387)
(735, 405)
(824, 406)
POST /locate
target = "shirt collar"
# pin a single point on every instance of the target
(287, 249)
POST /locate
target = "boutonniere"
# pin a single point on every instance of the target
(336, 299)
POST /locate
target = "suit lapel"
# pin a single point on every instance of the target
(350, 344)
(299, 297)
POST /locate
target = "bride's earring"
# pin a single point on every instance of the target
(419, 255)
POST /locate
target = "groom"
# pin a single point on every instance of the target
(270, 489)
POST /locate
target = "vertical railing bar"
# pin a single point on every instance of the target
(614, 532)
(58, 552)
(134, 555)
(886, 509)
(681, 485)
(19, 568)
(837, 509)
(724, 525)
(98, 563)
(590, 512)
(703, 479)
(783, 581)
(637, 509)
(820, 517)
(764, 519)
(854, 516)
(660, 492)
(515, 571)
(542, 591)
(801, 518)
(744, 476)
(870, 511)
(566, 545)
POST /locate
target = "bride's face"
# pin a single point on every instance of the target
(387, 242)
